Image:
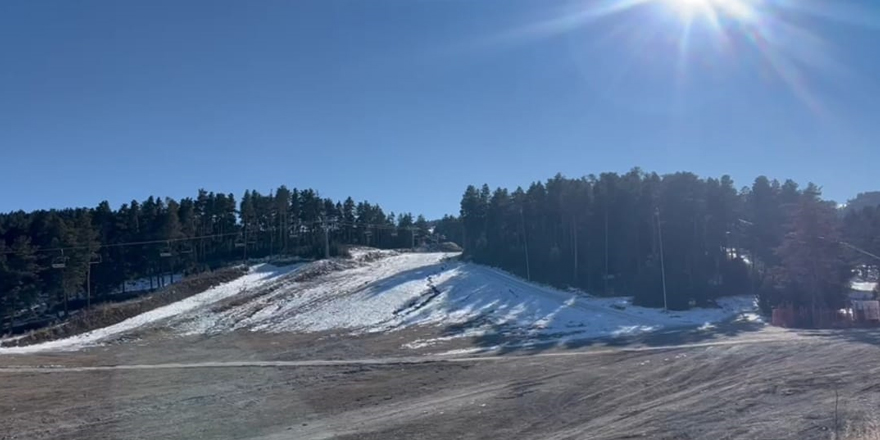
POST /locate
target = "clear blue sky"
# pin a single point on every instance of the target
(405, 102)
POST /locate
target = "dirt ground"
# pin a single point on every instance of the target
(735, 382)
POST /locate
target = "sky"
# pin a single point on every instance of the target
(406, 102)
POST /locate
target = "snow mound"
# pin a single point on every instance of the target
(368, 254)
(415, 289)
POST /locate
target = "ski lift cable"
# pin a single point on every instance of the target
(375, 226)
(125, 244)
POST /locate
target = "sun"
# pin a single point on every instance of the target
(766, 35)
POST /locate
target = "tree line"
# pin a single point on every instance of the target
(54, 261)
(641, 234)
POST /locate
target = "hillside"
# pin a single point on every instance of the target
(385, 291)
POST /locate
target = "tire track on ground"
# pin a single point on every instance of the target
(421, 360)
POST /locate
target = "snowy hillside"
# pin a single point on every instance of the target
(384, 291)
(406, 290)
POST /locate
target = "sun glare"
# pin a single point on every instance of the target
(687, 8)
(693, 39)
(712, 10)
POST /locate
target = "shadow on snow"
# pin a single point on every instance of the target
(508, 315)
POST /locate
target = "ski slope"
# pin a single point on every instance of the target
(401, 291)
(385, 291)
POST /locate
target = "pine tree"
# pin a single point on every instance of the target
(282, 208)
(187, 250)
(52, 259)
(348, 219)
(422, 229)
(18, 279)
(110, 273)
(813, 271)
(603, 234)
(7, 297)
(449, 228)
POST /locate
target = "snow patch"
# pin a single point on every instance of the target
(142, 284)
(258, 275)
(863, 286)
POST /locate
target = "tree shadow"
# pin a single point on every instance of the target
(497, 340)
(515, 317)
(498, 313)
(422, 273)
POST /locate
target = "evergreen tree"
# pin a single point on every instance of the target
(51, 260)
(605, 234)
(405, 230)
(813, 272)
(19, 286)
(422, 229)
(283, 225)
(449, 228)
(348, 219)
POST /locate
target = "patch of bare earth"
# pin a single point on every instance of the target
(766, 384)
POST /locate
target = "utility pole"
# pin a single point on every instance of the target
(326, 238)
(412, 233)
(89, 282)
(606, 248)
(244, 257)
(662, 264)
(89, 287)
(574, 233)
(522, 218)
